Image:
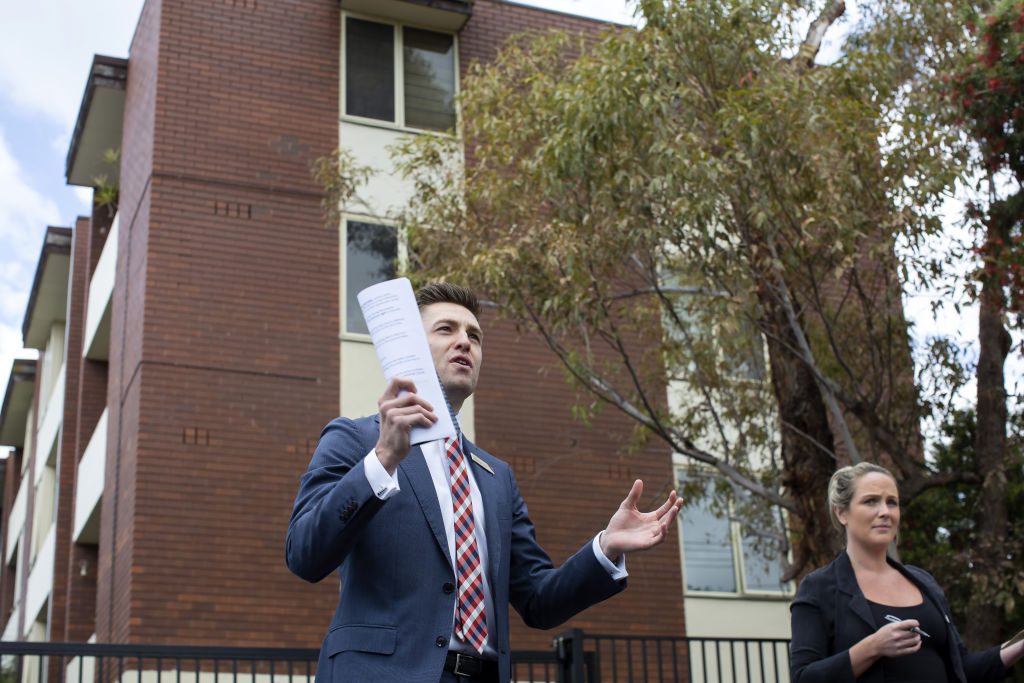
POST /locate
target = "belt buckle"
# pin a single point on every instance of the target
(457, 669)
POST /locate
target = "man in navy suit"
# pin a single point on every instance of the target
(381, 513)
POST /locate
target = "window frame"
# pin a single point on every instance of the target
(398, 76)
(739, 565)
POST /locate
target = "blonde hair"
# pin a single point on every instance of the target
(843, 483)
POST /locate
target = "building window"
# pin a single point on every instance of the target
(738, 343)
(371, 251)
(399, 74)
(744, 353)
(720, 554)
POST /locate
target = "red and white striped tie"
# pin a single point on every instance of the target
(470, 620)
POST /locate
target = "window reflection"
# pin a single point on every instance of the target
(707, 545)
(429, 79)
(369, 69)
(370, 254)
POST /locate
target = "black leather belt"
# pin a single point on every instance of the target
(475, 668)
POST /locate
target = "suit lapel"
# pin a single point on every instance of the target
(490, 494)
(415, 468)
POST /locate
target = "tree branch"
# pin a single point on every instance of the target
(816, 32)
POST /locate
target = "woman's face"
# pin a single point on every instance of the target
(873, 517)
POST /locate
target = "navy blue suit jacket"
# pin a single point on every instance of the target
(397, 603)
(830, 615)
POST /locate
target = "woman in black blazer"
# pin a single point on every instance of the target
(866, 617)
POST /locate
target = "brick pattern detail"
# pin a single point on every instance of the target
(224, 339)
(66, 459)
(574, 479)
(8, 574)
(114, 571)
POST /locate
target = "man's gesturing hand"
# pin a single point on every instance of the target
(629, 529)
(401, 409)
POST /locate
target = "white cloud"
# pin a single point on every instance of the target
(24, 213)
(13, 291)
(22, 208)
(46, 49)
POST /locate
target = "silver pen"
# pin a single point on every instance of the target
(896, 620)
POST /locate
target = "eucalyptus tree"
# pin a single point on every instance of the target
(700, 221)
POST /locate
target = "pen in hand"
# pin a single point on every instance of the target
(889, 617)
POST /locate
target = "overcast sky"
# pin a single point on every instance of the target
(46, 49)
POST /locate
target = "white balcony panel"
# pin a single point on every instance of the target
(89, 484)
(49, 427)
(40, 580)
(96, 344)
(11, 629)
(16, 521)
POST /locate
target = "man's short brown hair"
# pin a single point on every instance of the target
(447, 293)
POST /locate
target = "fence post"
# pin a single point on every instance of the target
(569, 652)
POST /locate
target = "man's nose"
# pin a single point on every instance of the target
(462, 340)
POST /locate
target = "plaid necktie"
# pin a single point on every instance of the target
(470, 621)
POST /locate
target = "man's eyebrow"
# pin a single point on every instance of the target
(455, 323)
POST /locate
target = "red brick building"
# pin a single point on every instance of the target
(193, 344)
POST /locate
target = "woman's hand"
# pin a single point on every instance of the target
(897, 640)
(892, 640)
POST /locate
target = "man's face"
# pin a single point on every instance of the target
(456, 344)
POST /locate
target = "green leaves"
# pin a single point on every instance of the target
(673, 209)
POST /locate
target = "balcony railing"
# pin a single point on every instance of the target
(575, 657)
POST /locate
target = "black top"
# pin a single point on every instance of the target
(930, 664)
(831, 615)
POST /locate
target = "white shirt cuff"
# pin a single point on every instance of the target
(617, 569)
(384, 485)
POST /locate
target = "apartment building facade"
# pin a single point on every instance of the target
(195, 337)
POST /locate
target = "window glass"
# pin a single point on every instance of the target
(745, 355)
(369, 69)
(707, 547)
(370, 253)
(429, 71)
(762, 570)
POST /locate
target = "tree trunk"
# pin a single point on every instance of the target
(806, 440)
(984, 619)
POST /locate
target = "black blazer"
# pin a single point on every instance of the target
(830, 615)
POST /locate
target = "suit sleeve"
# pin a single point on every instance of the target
(333, 504)
(810, 657)
(542, 595)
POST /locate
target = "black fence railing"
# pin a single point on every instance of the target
(575, 657)
(597, 658)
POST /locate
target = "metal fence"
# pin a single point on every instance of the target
(575, 657)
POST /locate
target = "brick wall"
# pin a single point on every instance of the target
(228, 321)
(12, 470)
(224, 343)
(114, 572)
(494, 22)
(573, 477)
(78, 620)
(66, 458)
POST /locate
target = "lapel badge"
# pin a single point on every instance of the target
(480, 462)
